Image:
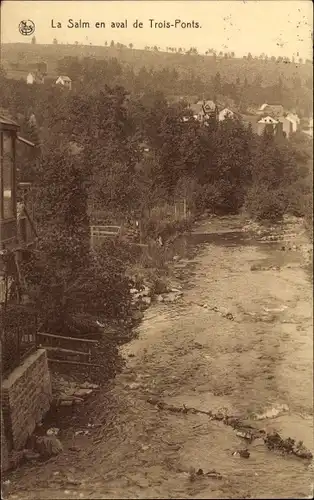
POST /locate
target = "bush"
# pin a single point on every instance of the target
(69, 297)
(299, 196)
(308, 214)
(263, 203)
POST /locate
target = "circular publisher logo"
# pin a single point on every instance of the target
(27, 28)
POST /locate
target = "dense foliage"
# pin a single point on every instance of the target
(247, 80)
(104, 149)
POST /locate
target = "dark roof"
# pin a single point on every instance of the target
(197, 108)
(65, 78)
(6, 123)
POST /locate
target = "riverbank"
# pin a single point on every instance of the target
(239, 344)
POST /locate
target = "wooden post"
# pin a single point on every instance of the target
(184, 207)
(140, 228)
(91, 238)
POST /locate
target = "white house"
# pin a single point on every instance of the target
(30, 79)
(225, 113)
(65, 81)
(295, 120)
(34, 78)
(204, 109)
(266, 121)
(262, 108)
(274, 110)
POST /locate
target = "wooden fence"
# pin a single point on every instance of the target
(18, 337)
(100, 233)
(67, 350)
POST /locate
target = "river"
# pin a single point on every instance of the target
(238, 343)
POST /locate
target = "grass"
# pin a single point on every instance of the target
(204, 66)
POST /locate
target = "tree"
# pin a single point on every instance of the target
(28, 158)
(70, 66)
(55, 41)
(65, 280)
(258, 80)
(112, 43)
(131, 45)
(33, 40)
(3, 73)
(216, 81)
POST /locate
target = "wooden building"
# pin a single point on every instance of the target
(17, 230)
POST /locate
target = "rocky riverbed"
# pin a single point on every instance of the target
(216, 399)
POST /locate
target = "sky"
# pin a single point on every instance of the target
(272, 27)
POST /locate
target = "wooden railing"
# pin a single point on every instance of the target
(100, 233)
(62, 349)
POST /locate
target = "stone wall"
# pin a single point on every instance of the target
(26, 397)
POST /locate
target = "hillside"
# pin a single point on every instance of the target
(20, 55)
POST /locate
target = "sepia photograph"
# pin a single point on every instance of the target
(156, 249)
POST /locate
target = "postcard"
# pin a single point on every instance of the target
(156, 249)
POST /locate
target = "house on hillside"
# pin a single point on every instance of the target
(286, 126)
(266, 122)
(35, 78)
(261, 109)
(65, 81)
(295, 120)
(203, 110)
(282, 127)
(273, 110)
(197, 110)
(226, 113)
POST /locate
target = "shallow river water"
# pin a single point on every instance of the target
(258, 367)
